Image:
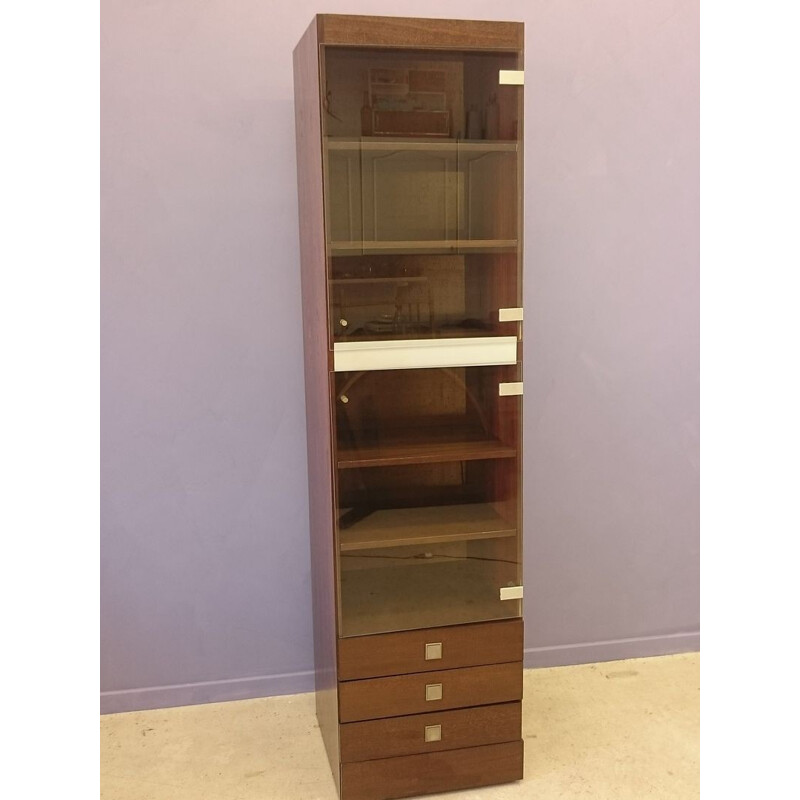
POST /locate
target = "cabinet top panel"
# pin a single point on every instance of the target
(341, 29)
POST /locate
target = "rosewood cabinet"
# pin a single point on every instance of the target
(409, 150)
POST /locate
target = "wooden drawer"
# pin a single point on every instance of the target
(449, 770)
(429, 691)
(444, 730)
(408, 651)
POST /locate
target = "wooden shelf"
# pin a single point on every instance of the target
(422, 143)
(398, 527)
(423, 246)
(401, 279)
(424, 595)
(443, 331)
(402, 451)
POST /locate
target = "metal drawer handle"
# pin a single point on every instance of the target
(433, 691)
(433, 733)
(433, 651)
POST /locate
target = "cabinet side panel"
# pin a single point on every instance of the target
(317, 360)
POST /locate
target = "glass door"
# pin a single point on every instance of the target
(427, 496)
(422, 177)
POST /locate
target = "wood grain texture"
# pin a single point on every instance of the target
(375, 698)
(401, 736)
(402, 653)
(449, 770)
(365, 31)
(317, 363)
(394, 527)
(422, 453)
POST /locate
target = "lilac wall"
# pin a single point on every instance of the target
(205, 563)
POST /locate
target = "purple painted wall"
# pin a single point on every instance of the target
(205, 562)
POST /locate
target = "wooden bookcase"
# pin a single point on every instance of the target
(409, 153)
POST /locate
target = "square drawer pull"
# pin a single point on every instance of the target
(433, 651)
(433, 733)
(433, 691)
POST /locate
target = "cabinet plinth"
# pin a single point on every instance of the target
(409, 153)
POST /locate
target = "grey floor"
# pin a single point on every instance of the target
(620, 730)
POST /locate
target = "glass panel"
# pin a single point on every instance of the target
(427, 497)
(422, 164)
(436, 95)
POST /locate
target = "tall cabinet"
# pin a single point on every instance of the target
(409, 151)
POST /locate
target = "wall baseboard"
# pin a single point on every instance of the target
(190, 694)
(611, 650)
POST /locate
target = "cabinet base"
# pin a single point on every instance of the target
(428, 773)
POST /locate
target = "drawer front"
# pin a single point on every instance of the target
(429, 733)
(429, 691)
(450, 770)
(430, 649)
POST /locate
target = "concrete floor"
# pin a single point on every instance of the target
(620, 730)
